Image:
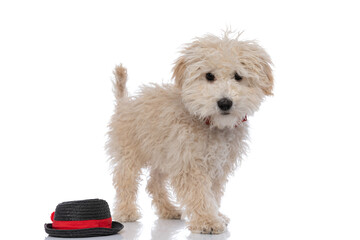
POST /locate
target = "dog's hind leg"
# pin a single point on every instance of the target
(157, 188)
(126, 178)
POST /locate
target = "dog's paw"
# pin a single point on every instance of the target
(170, 214)
(207, 226)
(124, 215)
(224, 218)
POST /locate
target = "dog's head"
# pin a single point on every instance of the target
(223, 79)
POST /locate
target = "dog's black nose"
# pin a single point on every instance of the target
(224, 104)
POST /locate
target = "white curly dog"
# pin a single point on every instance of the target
(190, 135)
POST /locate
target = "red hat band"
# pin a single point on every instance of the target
(69, 225)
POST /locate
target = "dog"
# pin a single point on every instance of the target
(190, 134)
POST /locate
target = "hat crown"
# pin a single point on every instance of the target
(90, 209)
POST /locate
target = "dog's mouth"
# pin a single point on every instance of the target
(225, 113)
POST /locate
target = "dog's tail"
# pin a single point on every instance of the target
(120, 82)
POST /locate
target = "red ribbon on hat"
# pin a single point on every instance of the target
(68, 225)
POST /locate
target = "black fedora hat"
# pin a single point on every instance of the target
(84, 218)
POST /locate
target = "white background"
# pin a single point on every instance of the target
(301, 177)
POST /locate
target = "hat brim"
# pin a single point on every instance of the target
(87, 232)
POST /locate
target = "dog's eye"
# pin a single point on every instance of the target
(210, 77)
(237, 77)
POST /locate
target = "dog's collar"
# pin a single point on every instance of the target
(208, 121)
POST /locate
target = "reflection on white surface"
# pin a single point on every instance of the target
(168, 229)
(176, 229)
(160, 229)
(132, 230)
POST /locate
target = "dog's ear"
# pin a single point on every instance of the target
(264, 64)
(269, 79)
(179, 71)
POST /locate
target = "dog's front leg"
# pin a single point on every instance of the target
(218, 188)
(193, 188)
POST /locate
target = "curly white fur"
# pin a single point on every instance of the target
(164, 129)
